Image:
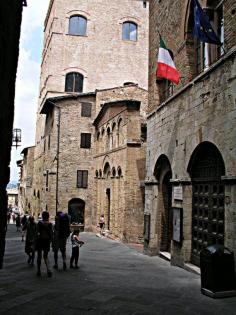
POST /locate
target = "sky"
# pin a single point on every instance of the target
(27, 81)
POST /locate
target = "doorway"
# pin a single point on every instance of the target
(167, 213)
(208, 194)
(108, 198)
(76, 209)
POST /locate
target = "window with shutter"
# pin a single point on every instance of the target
(206, 53)
(86, 109)
(85, 140)
(74, 82)
(82, 178)
(77, 25)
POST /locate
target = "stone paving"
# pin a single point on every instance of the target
(113, 279)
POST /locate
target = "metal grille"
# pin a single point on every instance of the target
(207, 216)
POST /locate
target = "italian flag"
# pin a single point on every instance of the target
(165, 65)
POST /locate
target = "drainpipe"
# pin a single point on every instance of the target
(57, 154)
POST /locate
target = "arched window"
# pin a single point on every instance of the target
(119, 133)
(107, 170)
(129, 31)
(113, 172)
(74, 82)
(114, 135)
(77, 25)
(119, 171)
(109, 139)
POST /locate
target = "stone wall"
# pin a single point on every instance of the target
(102, 57)
(201, 111)
(120, 163)
(105, 65)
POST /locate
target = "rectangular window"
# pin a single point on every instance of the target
(85, 141)
(86, 109)
(47, 173)
(82, 179)
(49, 142)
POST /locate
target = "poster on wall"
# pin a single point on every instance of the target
(177, 224)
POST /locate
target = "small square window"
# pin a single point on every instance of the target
(85, 141)
(86, 109)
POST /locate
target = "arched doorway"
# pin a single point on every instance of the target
(163, 175)
(76, 208)
(167, 213)
(107, 173)
(206, 167)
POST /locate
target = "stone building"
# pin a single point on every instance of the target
(12, 197)
(119, 162)
(86, 53)
(68, 156)
(86, 49)
(191, 159)
(27, 197)
(72, 152)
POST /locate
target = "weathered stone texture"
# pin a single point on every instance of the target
(106, 61)
(26, 194)
(103, 65)
(120, 163)
(203, 111)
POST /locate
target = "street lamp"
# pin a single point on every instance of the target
(16, 137)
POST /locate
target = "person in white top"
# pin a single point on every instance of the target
(76, 244)
(101, 223)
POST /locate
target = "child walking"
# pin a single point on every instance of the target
(76, 244)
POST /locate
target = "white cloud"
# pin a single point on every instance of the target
(33, 16)
(27, 82)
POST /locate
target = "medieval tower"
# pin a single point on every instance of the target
(89, 46)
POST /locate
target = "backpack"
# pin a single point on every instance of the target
(63, 226)
(45, 231)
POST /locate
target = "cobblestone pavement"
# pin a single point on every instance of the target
(113, 279)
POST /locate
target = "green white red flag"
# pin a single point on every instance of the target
(165, 66)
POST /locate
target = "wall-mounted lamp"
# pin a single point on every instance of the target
(16, 137)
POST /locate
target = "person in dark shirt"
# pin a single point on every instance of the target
(43, 242)
(31, 231)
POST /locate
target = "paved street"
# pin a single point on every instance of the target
(113, 279)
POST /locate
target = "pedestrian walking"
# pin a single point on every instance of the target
(43, 242)
(8, 217)
(61, 232)
(31, 233)
(23, 224)
(101, 223)
(76, 244)
(17, 220)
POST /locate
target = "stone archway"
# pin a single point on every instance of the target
(206, 167)
(76, 209)
(163, 174)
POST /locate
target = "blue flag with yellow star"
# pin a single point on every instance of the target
(202, 28)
